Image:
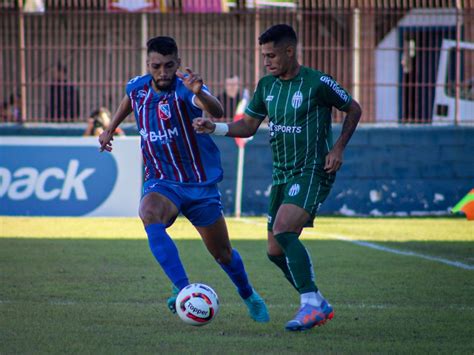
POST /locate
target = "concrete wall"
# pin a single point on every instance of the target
(389, 171)
(409, 170)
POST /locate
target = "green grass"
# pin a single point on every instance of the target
(90, 285)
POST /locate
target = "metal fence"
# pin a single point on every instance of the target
(404, 61)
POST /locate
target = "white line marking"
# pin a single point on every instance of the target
(457, 264)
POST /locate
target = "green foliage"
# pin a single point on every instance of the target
(91, 286)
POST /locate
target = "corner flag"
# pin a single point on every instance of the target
(466, 205)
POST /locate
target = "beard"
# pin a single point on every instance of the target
(163, 85)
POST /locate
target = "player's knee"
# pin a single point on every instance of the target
(282, 226)
(150, 216)
(274, 249)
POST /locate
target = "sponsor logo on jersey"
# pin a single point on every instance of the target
(141, 94)
(143, 133)
(294, 190)
(54, 180)
(334, 85)
(164, 136)
(164, 111)
(297, 99)
(276, 128)
(269, 98)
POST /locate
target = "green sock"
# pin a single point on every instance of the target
(280, 261)
(299, 262)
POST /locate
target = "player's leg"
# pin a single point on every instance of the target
(314, 308)
(158, 209)
(274, 252)
(277, 256)
(216, 239)
(287, 227)
(301, 199)
(205, 213)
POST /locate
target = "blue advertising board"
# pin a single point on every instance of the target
(63, 178)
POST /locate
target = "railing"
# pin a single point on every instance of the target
(60, 63)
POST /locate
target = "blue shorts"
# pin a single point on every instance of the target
(201, 205)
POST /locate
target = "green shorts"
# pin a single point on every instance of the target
(306, 191)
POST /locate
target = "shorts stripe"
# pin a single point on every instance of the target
(316, 198)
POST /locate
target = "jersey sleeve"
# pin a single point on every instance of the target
(331, 93)
(130, 85)
(256, 108)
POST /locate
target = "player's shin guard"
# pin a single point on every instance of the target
(165, 252)
(299, 262)
(280, 261)
(236, 271)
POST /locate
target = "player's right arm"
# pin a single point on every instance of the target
(254, 114)
(243, 128)
(106, 137)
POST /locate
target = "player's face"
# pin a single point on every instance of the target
(163, 68)
(277, 59)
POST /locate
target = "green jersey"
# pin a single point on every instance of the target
(299, 112)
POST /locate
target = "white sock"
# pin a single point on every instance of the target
(312, 298)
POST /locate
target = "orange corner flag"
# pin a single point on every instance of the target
(466, 205)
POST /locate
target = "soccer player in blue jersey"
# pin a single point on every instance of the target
(298, 102)
(182, 168)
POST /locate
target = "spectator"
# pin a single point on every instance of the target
(231, 96)
(64, 97)
(98, 121)
(11, 109)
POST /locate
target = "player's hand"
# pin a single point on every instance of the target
(333, 161)
(105, 140)
(191, 80)
(203, 125)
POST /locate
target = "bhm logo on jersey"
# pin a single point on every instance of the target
(164, 136)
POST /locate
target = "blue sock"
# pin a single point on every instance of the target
(166, 253)
(237, 274)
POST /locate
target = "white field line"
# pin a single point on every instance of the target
(454, 263)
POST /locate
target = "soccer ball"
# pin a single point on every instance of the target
(197, 304)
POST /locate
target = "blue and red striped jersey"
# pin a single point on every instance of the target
(171, 149)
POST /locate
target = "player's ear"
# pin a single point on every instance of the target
(291, 51)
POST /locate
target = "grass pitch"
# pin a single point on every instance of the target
(91, 285)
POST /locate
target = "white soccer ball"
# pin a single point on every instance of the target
(197, 304)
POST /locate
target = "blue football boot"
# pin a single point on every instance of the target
(257, 308)
(310, 316)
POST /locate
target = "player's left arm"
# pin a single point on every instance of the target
(206, 102)
(335, 156)
(203, 99)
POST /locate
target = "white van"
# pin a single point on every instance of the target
(444, 109)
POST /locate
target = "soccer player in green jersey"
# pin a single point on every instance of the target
(298, 102)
